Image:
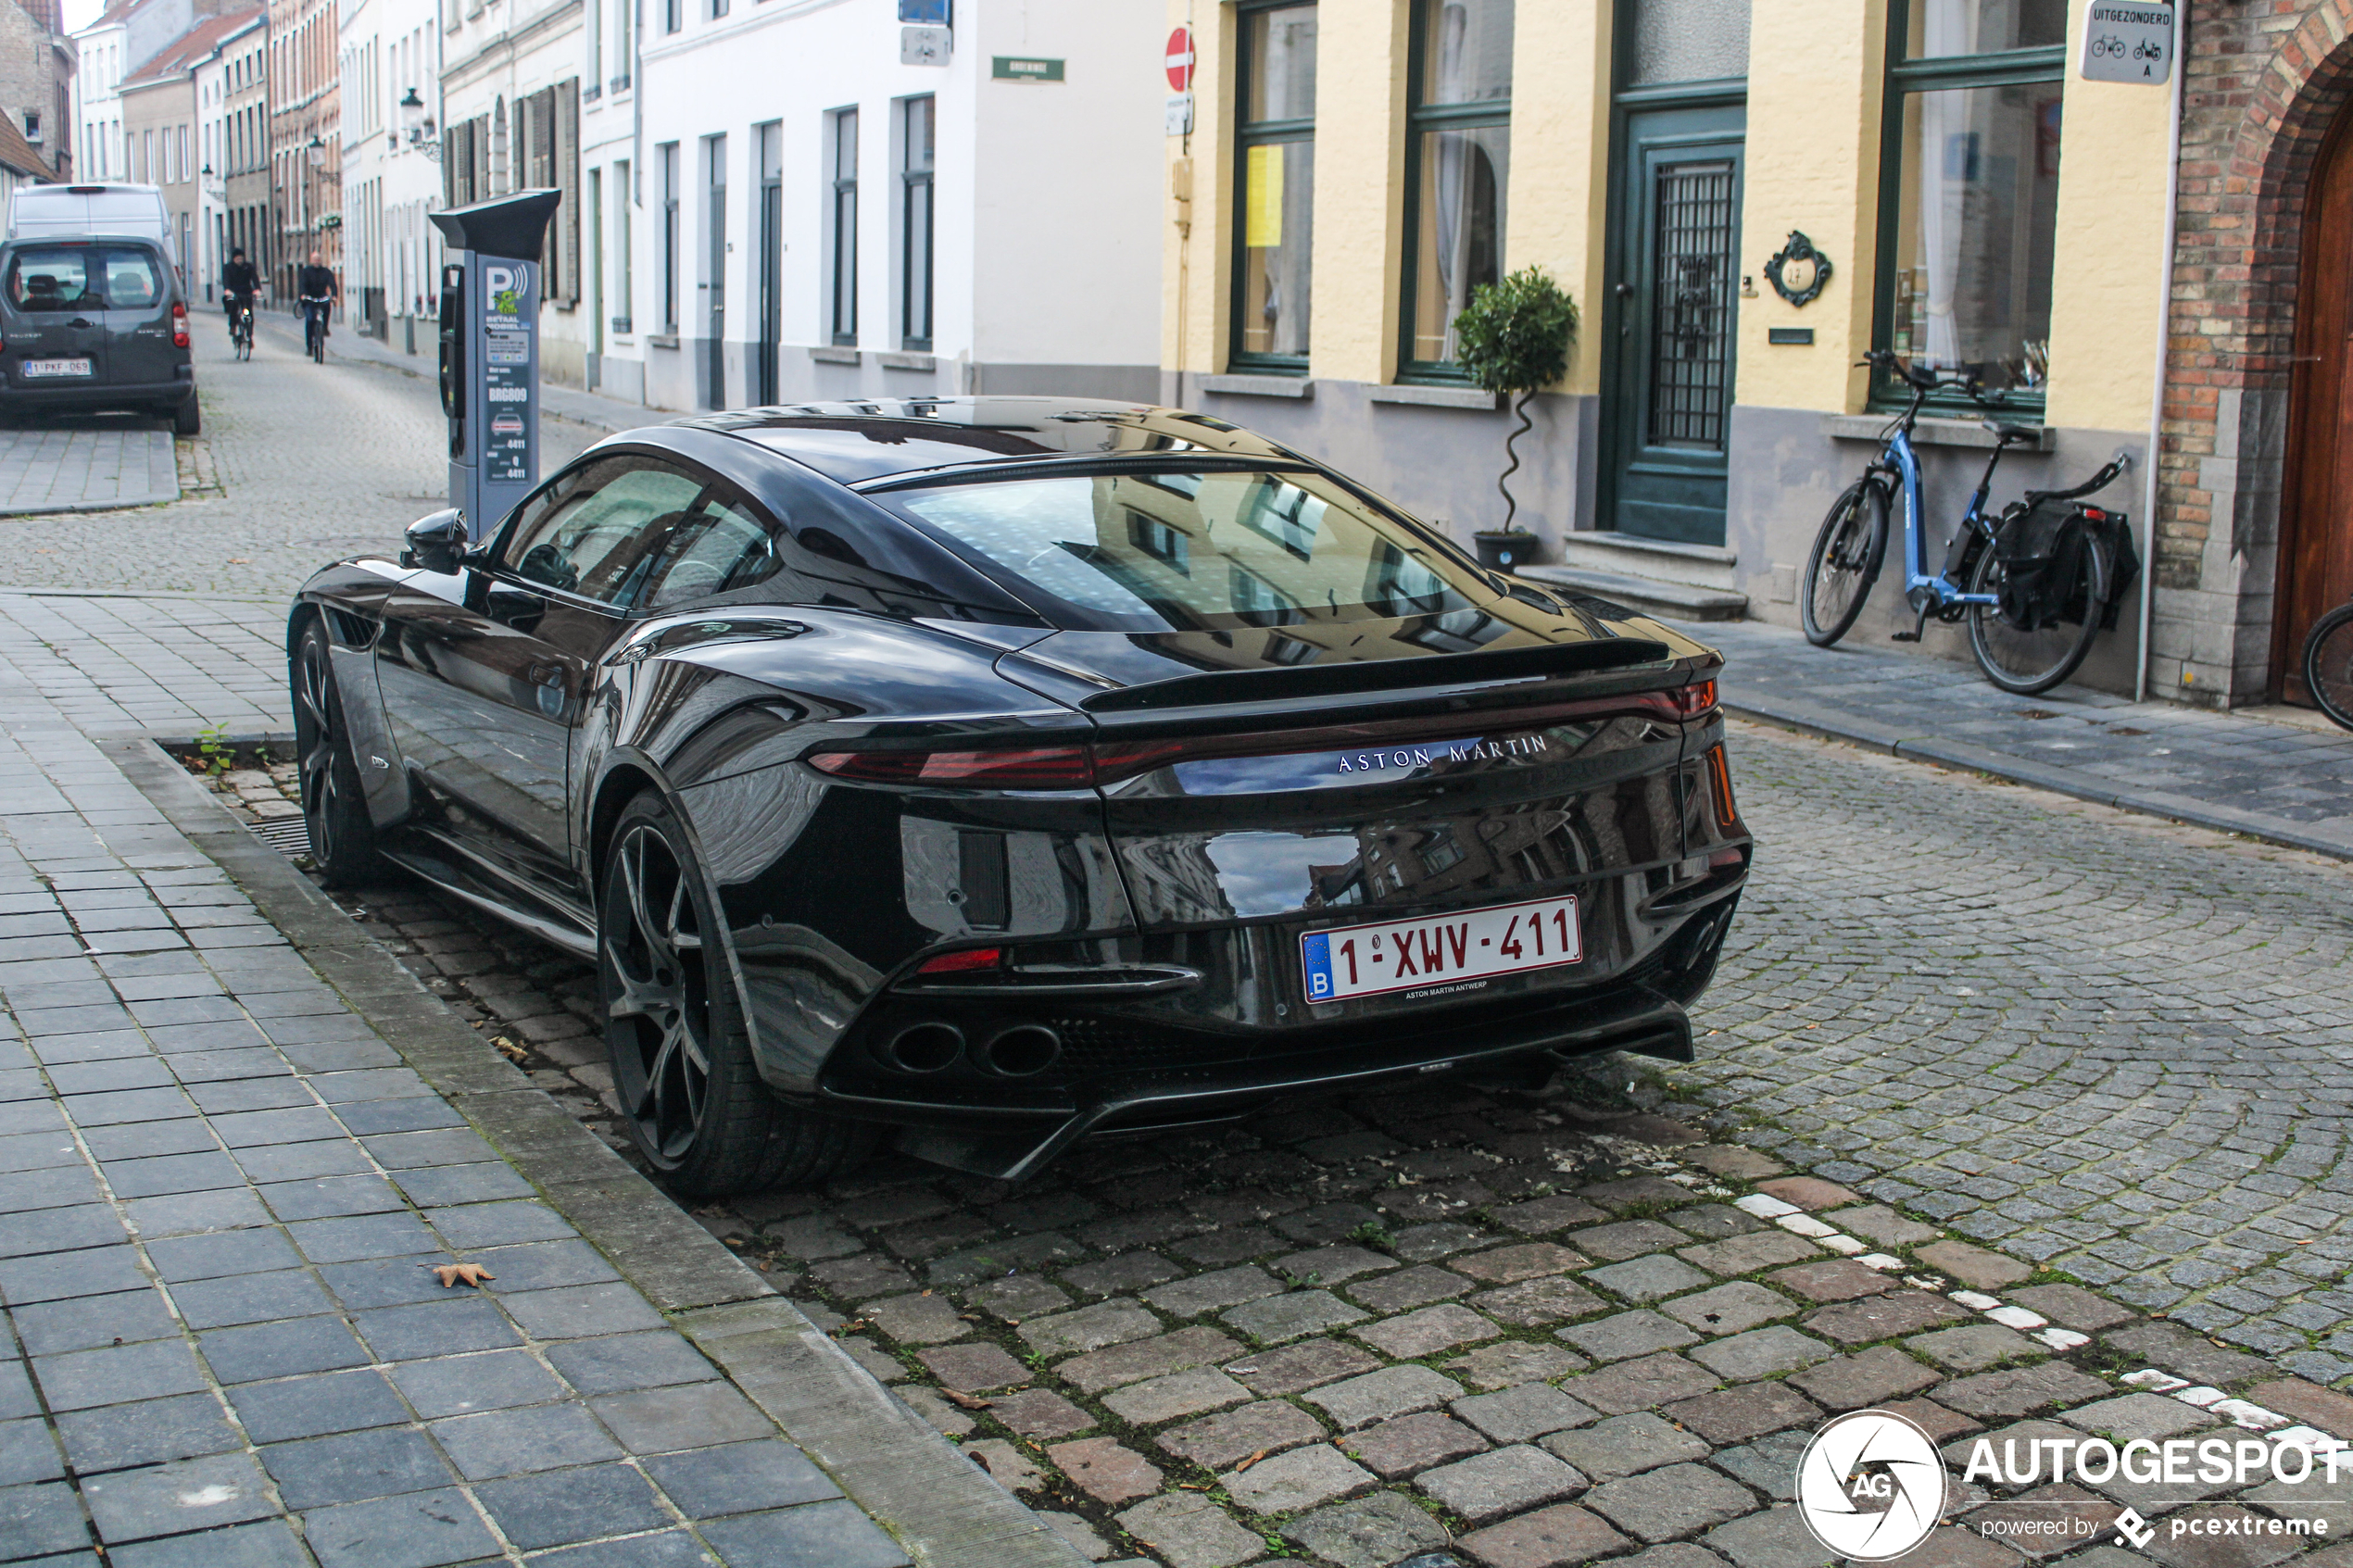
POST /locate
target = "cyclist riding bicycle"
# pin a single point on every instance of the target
(239, 286)
(315, 285)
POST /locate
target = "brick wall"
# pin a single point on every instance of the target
(2266, 79)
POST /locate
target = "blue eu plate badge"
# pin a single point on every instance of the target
(1318, 951)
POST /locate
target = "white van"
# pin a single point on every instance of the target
(42, 211)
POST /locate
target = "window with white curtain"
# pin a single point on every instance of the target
(1969, 195)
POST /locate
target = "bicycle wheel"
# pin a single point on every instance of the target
(2328, 664)
(2027, 658)
(1845, 562)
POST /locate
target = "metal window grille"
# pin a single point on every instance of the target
(1691, 305)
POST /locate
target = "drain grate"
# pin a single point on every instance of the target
(288, 835)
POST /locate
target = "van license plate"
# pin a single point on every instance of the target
(1412, 955)
(56, 367)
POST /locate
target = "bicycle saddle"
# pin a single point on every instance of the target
(2006, 434)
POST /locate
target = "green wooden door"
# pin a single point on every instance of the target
(1675, 271)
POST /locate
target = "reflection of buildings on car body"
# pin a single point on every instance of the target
(1979, 203)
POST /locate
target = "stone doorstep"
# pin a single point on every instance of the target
(884, 1456)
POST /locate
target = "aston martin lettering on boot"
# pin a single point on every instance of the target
(1445, 751)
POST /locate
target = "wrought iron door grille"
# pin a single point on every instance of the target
(1691, 305)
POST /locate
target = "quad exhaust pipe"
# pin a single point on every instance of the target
(1021, 1051)
(924, 1048)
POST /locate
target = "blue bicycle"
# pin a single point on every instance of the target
(2036, 584)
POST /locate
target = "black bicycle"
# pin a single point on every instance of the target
(2328, 664)
(314, 326)
(241, 328)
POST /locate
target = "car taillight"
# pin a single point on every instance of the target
(179, 325)
(964, 962)
(1720, 785)
(1695, 699)
(1057, 767)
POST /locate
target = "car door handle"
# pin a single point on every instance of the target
(77, 321)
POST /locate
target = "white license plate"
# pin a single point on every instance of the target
(1412, 955)
(56, 367)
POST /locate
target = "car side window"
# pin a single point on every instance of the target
(723, 546)
(592, 532)
(50, 280)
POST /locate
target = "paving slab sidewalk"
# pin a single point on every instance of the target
(238, 1143)
(81, 470)
(2281, 782)
(564, 402)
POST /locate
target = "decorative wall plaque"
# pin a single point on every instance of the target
(1797, 270)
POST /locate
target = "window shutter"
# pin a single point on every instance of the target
(567, 153)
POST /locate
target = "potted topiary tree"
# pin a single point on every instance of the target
(1513, 338)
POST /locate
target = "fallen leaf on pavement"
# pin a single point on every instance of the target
(966, 1401)
(1250, 1460)
(461, 1274)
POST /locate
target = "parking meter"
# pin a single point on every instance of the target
(490, 351)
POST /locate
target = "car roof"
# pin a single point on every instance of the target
(77, 237)
(872, 439)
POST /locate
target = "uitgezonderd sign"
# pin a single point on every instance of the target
(2129, 41)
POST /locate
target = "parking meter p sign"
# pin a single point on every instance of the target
(2129, 41)
(490, 350)
(510, 312)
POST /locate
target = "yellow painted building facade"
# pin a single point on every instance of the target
(1979, 202)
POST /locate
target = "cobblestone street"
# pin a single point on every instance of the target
(2024, 1116)
(2119, 1066)
(312, 462)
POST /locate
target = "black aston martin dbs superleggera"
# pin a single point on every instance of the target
(993, 773)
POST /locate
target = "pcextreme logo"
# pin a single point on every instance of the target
(1871, 1486)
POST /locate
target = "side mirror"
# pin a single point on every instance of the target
(437, 543)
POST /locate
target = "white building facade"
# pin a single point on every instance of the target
(209, 72)
(510, 83)
(391, 62)
(108, 52)
(822, 203)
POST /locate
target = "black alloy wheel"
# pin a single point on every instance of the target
(682, 1064)
(335, 808)
(1847, 553)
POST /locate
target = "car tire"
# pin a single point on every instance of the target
(334, 805)
(688, 1089)
(187, 419)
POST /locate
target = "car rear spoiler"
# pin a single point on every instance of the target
(1378, 675)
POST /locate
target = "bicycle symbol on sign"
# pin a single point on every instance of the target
(2108, 46)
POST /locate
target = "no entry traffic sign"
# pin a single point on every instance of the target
(1180, 60)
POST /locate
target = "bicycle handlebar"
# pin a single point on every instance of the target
(1923, 382)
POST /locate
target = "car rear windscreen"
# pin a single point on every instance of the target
(83, 278)
(1197, 550)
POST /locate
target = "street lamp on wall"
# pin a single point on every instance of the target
(419, 125)
(317, 152)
